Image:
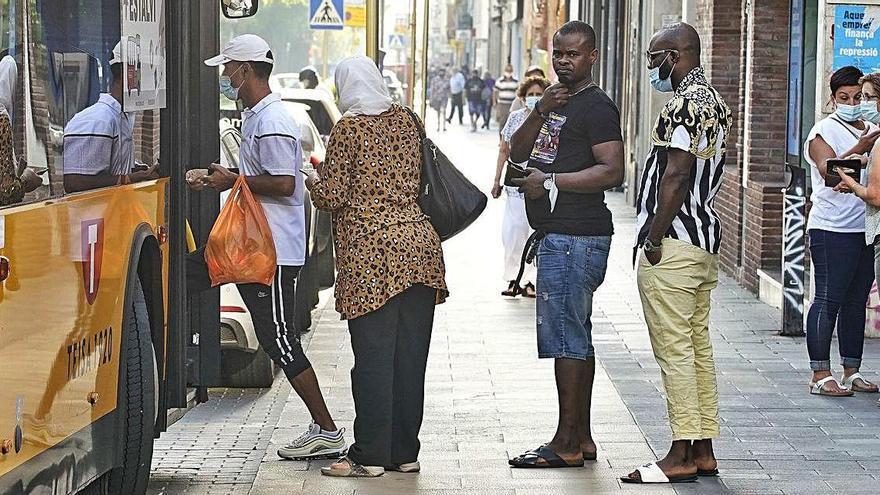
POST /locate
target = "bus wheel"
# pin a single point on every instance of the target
(136, 403)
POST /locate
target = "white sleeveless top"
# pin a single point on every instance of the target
(833, 211)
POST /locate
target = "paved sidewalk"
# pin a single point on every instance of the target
(489, 397)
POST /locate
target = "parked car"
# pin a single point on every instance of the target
(395, 87)
(243, 362)
(322, 107)
(286, 80)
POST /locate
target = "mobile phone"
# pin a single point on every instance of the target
(850, 166)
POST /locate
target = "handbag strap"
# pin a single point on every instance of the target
(846, 127)
(417, 122)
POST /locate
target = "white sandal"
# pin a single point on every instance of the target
(849, 383)
(818, 388)
(651, 473)
(346, 468)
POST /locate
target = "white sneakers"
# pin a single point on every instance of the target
(315, 443)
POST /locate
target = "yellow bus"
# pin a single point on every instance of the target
(100, 347)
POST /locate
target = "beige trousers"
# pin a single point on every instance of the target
(675, 297)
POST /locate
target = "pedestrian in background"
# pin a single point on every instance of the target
(679, 233)
(474, 91)
(573, 144)
(842, 259)
(488, 93)
(870, 193)
(390, 271)
(440, 96)
(532, 71)
(505, 94)
(515, 229)
(456, 95)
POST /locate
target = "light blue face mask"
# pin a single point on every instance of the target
(531, 101)
(848, 113)
(869, 111)
(226, 87)
(661, 85)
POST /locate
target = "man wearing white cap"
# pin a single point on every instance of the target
(270, 159)
(98, 142)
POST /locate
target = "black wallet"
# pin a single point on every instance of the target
(513, 171)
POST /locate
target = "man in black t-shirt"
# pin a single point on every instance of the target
(474, 91)
(573, 145)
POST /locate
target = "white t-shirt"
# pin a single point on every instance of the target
(271, 144)
(833, 211)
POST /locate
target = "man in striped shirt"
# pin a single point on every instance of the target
(680, 233)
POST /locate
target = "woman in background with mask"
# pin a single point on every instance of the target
(869, 193)
(515, 229)
(842, 261)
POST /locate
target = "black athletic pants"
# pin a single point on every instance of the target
(271, 309)
(388, 379)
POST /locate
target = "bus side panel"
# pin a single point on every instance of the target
(61, 314)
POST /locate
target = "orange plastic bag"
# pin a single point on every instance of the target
(240, 247)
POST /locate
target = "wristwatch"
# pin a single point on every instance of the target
(549, 181)
(650, 247)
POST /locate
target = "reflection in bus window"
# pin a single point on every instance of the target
(15, 180)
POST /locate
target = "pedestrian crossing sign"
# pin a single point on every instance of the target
(325, 14)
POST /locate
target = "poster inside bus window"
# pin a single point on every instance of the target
(855, 37)
(143, 52)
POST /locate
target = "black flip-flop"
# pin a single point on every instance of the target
(532, 458)
(707, 473)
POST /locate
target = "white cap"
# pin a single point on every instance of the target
(244, 48)
(117, 54)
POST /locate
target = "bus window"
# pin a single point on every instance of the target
(69, 69)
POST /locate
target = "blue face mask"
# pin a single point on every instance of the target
(869, 112)
(226, 87)
(661, 85)
(848, 113)
(531, 101)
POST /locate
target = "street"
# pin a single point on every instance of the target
(488, 396)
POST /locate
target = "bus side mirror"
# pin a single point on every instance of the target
(239, 9)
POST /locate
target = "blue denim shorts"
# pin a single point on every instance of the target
(570, 269)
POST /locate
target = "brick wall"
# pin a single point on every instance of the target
(734, 38)
(721, 24)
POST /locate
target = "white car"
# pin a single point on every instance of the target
(243, 363)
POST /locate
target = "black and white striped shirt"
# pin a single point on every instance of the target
(695, 120)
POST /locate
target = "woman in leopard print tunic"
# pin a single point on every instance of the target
(12, 187)
(390, 267)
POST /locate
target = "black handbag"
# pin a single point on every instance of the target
(450, 201)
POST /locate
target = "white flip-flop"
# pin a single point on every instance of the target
(817, 388)
(849, 381)
(651, 473)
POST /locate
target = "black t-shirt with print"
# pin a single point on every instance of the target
(474, 89)
(565, 144)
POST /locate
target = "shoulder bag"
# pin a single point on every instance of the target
(450, 201)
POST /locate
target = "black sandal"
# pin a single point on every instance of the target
(533, 458)
(529, 291)
(512, 290)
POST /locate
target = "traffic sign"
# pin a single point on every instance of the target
(326, 14)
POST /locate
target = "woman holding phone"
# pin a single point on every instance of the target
(515, 229)
(842, 261)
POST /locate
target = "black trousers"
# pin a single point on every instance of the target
(456, 102)
(388, 379)
(271, 309)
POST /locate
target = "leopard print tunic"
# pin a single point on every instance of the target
(11, 190)
(384, 243)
